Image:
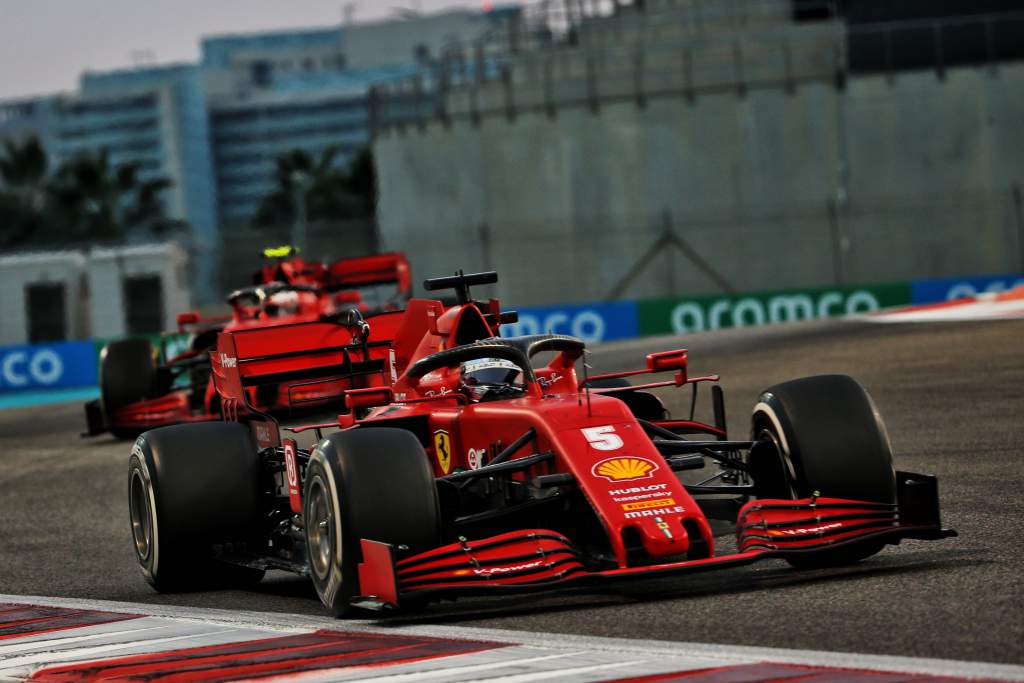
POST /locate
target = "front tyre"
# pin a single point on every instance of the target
(371, 483)
(193, 489)
(829, 439)
(128, 373)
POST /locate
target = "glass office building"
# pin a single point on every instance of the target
(217, 128)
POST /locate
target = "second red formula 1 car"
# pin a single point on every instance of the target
(471, 463)
(142, 386)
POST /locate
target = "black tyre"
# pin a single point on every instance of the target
(367, 483)
(830, 439)
(128, 373)
(192, 487)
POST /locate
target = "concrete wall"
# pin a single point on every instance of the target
(768, 188)
(932, 164)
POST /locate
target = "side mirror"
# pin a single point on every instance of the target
(369, 398)
(663, 361)
(188, 318)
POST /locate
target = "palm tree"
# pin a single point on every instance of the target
(362, 180)
(318, 185)
(23, 196)
(103, 202)
(87, 198)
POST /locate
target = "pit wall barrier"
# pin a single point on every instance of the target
(73, 364)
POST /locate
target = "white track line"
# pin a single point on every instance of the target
(966, 312)
(622, 649)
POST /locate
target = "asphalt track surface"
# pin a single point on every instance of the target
(953, 398)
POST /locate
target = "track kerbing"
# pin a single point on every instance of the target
(78, 640)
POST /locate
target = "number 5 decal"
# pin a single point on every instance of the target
(603, 438)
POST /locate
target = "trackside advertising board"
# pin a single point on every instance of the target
(697, 314)
(74, 364)
(171, 343)
(48, 366)
(949, 288)
(590, 322)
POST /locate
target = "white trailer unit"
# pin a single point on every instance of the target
(137, 289)
(42, 298)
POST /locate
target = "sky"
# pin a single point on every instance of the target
(46, 44)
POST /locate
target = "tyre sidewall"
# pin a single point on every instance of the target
(380, 487)
(337, 585)
(138, 466)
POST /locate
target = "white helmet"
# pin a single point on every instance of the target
(488, 378)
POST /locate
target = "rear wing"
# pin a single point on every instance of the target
(363, 271)
(323, 359)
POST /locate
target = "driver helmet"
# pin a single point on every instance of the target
(488, 378)
(282, 304)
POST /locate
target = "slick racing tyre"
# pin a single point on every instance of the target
(194, 489)
(127, 374)
(828, 438)
(366, 483)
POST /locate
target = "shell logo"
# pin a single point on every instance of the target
(624, 469)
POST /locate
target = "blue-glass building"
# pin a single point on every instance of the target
(155, 117)
(270, 93)
(217, 128)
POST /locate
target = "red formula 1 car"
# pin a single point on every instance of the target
(470, 463)
(143, 386)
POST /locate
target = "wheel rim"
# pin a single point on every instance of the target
(320, 529)
(142, 516)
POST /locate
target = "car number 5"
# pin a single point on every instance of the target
(603, 438)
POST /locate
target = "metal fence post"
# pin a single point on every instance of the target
(990, 46)
(510, 100)
(940, 67)
(688, 89)
(485, 245)
(1018, 212)
(549, 93)
(373, 111)
(741, 85)
(592, 84)
(832, 209)
(638, 77)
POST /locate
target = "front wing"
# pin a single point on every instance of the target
(538, 559)
(170, 409)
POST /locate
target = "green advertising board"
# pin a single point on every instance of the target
(171, 343)
(696, 314)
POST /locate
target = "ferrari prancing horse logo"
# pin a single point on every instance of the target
(443, 448)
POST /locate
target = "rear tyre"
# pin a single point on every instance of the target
(829, 439)
(367, 483)
(191, 489)
(128, 373)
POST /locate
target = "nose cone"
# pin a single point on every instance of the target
(658, 522)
